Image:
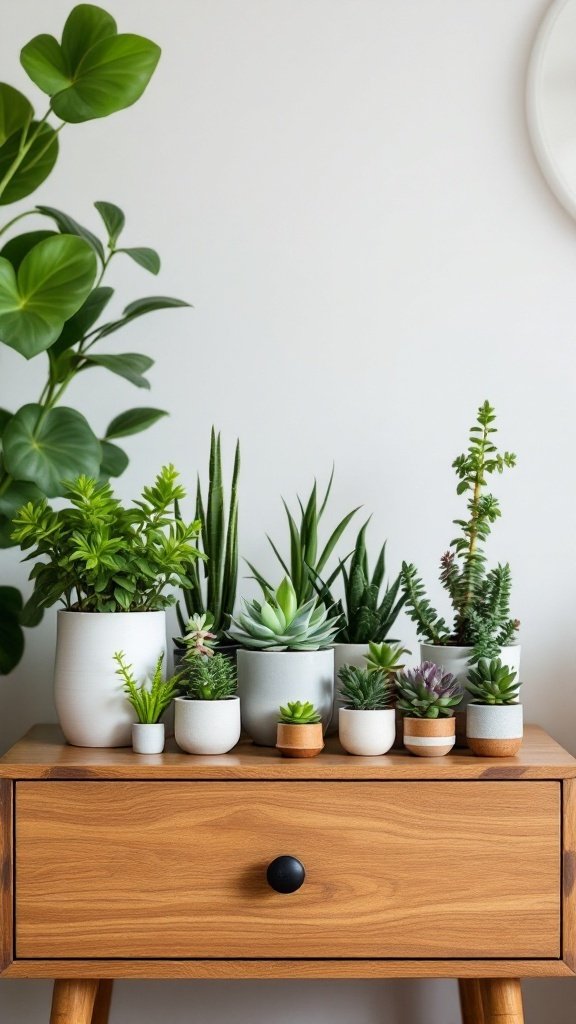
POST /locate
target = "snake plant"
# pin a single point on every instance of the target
(280, 623)
(427, 692)
(491, 682)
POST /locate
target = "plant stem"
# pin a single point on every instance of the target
(6, 227)
(25, 146)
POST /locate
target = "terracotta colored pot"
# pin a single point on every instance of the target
(429, 737)
(494, 730)
(299, 740)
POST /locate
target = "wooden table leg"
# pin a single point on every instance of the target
(73, 1001)
(502, 998)
(101, 1010)
(471, 1001)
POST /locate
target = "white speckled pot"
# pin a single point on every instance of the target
(148, 738)
(267, 679)
(207, 726)
(494, 730)
(344, 654)
(367, 732)
(92, 707)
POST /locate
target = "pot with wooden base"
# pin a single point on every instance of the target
(429, 737)
(494, 718)
(427, 698)
(299, 731)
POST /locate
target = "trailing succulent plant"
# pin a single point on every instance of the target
(299, 713)
(149, 702)
(208, 677)
(480, 597)
(280, 623)
(386, 658)
(491, 682)
(367, 612)
(363, 689)
(427, 692)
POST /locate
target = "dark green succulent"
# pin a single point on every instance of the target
(427, 692)
(299, 713)
(491, 682)
(363, 689)
(208, 678)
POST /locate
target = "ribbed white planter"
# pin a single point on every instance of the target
(207, 726)
(91, 704)
(367, 732)
(267, 679)
(344, 654)
(494, 730)
(147, 738)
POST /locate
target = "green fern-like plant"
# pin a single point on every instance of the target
(208, 678)
(149, 702)
(480, 598)
(491, 682)
(363, 689)
(299, 713)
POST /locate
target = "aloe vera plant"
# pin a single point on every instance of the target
(212, 587)
(308, 557)
(299, 713)
(280, 623)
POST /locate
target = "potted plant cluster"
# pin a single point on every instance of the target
(284, 655)
(427, 700)
(299, 730)
(112, 567)
(207, 711)
(482, 626)
(149, 702)
(494, 719)
(367, 717)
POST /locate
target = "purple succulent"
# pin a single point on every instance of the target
(427, 692)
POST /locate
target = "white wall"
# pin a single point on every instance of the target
(345, 191)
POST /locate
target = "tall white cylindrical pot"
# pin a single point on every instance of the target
(367, 732)
(207, 726)
(267, 679)
(345, 654)
(92, 707)
(456, 660)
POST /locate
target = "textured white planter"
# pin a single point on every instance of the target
(92, 707)
(344, 654)
(455, 660)
(207, 726)
(367, 732)
(267, 679)
(494, 730)
(148, 739)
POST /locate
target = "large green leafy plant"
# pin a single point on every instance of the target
(53, 288)
(480, 597)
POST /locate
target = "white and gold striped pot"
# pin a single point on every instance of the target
(429, 737)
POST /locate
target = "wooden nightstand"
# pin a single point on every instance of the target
(116, 865)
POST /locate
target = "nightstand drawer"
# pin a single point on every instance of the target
(393, 869)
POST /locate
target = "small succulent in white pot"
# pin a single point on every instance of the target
(494, 717)
(207, 712)
(367, 718)
(285, 655)
(427, 699)
(149, 701)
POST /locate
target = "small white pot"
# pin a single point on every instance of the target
(494, 730)
(267, 679)
(147, 738)
(344, 654)
(367, 732)
(207, 726)
(92, 707)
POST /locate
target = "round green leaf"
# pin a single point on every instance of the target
(15, 111)
(18, 247)
(133, 421)
(85, 26)
(16, 495)
(35, 167)
(43, 62)
(114, 219)
(114, 460)
(49, 447)
(53, 281)
(11, 635)
(5, 418)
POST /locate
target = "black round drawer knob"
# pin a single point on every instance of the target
(285, 874)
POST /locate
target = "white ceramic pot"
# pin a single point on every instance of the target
(455, 660)
(367, 732)
(147, 738)
(494, 730)
(92, 707)
(344, 654)
(207, 726)
(267, 679)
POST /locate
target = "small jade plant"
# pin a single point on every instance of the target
(279, 623)
(480, 598)
(491, 682)
(149, 702)
(427, 692)
(385, 657)
(299, 713)
(364, 689)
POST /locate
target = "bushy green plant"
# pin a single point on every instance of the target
(363, 689)
(207, 677)
(53, 279)
(367, 612)
(212, 588)
(387, 658)
(427, 692)
(308, 559)
(299, 713)
(149, 702)
(491, 682)
(103, 557)
(279, 623)
(480, 598)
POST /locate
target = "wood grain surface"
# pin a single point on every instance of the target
(6, 873)
(424, 870)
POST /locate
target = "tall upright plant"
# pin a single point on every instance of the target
(211, 589)
(52, 281)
